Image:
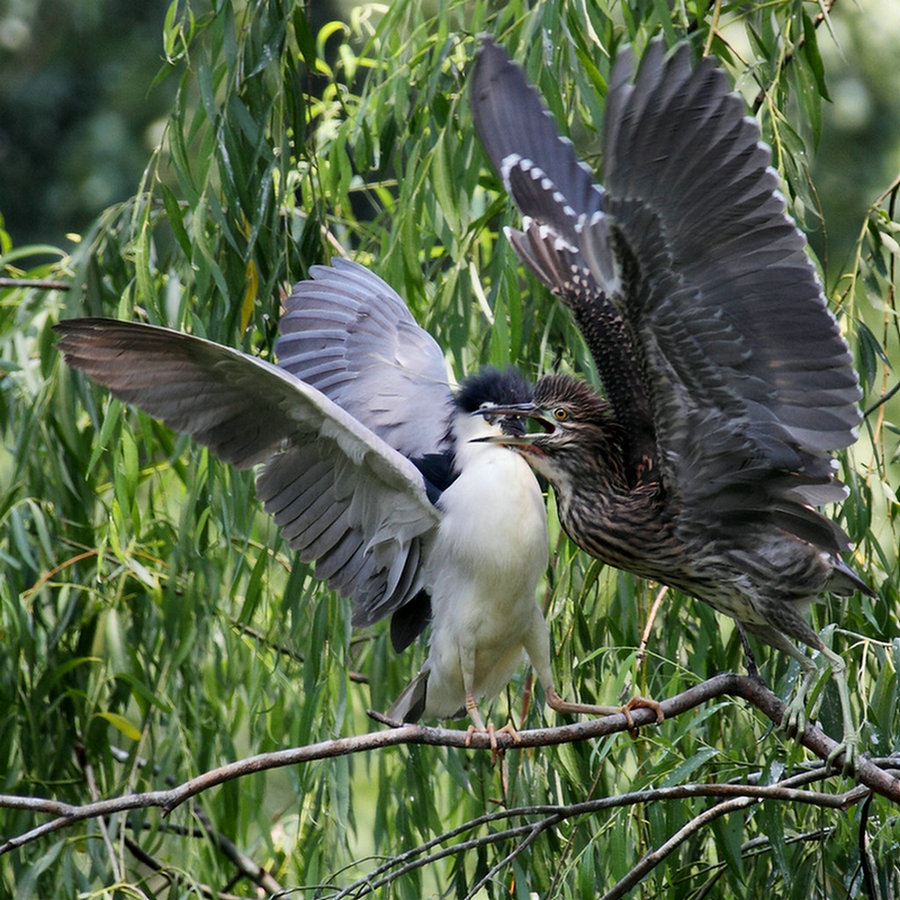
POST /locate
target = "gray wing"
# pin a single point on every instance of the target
(344, 498)
(348, 334)
(751, 378)
(747, 379)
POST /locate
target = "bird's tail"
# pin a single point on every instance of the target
(410, 705)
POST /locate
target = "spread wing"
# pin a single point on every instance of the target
(748, 381)
(343, 497)
(752, 383)
(555, 191)
(348, 334)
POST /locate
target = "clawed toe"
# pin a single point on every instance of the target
(492, 733)
(849, 750)
(638, 702)
(793, 724)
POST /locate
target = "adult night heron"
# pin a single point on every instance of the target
(727, 381)
(373, 470)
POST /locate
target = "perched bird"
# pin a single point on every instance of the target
(727, 380)
(372, 468)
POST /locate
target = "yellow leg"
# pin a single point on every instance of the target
(554, 701)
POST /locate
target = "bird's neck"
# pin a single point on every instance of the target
(586, 467)
(466, 433)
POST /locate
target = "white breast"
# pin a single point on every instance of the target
(484, 567)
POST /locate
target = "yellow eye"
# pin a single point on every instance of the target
(561, 414)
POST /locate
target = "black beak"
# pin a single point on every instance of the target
(518, 412)
(513, 419)
(510, 423)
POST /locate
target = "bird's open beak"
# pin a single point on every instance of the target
(513, 420)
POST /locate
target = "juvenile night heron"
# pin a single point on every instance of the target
(727, 380)
(372, 469)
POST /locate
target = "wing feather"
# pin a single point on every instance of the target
(348, 334)
(515, 128)
(686, 172)
(739, 364)
(341, 495)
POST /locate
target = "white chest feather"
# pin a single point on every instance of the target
(488, 558)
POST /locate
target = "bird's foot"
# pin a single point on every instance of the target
(843, 757)
(492, 733)
(749, 658)
(638, 702)
(794, 719)
(847, 751)
(849, 744)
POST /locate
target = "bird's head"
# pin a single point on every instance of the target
(573, 427)
(482, 399)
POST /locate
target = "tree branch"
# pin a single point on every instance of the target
(415, 858)
(872, 777)
(246, 866)
(171, 876)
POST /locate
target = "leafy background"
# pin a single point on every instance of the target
(154, 626)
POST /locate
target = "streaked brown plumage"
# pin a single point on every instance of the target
(728, 383)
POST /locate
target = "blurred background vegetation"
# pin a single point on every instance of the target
(201, 155)
(81, 109)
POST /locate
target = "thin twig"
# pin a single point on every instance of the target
(537, 829)
(648, 625)
(415, 858)
(655, 857)
(869, 885)
(652, 859)
(151, 862)
(882, 400)
(411, 863)
(88, 770)
(46, 576)
(244, 864)
(260, 638)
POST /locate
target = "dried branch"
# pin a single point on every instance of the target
(650, 860)
(88, 771)
(165, 872)
(245, 866)
(501, 864)
(869, 775)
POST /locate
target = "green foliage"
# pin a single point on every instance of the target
(153, 624)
